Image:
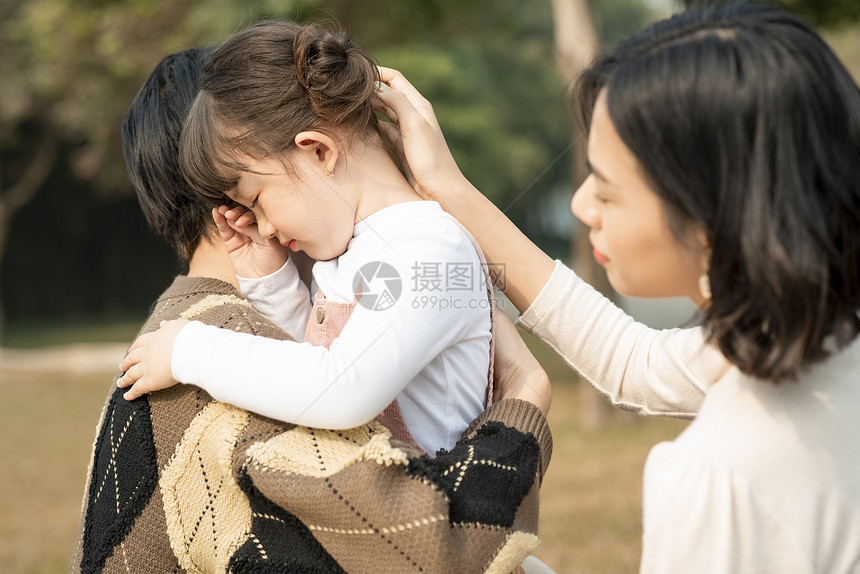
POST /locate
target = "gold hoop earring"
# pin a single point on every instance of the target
(328, 172)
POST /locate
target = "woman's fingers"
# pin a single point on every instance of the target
(402, 88)
(382, 108)
(392, 134)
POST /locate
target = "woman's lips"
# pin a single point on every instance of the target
(600, 257)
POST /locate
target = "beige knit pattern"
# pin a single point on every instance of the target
(204, 507)
(301, 450)
(517, 546)
(210, 302)
(348, 487)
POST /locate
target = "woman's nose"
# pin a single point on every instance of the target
(583, 205)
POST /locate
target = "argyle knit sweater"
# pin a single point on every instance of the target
(179, 482)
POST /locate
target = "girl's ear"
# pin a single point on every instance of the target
(319, 150)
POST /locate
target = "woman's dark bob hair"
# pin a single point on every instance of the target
(748, 127)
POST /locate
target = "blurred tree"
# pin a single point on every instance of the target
(820, 13)
(582, 28)
(69, 71)
(826, 13)
(488, 68)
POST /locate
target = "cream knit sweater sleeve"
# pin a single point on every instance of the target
(636, 368)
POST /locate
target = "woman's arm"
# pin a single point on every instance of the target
(648, 371)
(635, 367)
(435, 175)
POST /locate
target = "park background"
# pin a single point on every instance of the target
(79, 269)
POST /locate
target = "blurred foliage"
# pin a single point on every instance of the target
(618, 19)
(71, 68)
(826, 13)
(819, 13)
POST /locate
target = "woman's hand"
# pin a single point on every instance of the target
(416, 135)
(516, 373)
(252, 254)
(147, 368)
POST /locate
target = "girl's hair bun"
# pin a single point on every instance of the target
(338, 75)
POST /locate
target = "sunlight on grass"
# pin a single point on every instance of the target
(591, 498)
(48, 423)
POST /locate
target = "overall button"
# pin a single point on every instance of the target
(320, 314)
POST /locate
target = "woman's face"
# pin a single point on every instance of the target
(629, 229)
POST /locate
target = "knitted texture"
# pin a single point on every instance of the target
(181, 483)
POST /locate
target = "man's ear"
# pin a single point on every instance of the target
(319, 150)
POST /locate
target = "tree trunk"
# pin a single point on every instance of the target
(576, 44)
(19, 194)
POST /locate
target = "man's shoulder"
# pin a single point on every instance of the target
(213, 302)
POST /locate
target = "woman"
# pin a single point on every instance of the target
(724, 148)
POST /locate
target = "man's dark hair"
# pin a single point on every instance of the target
(150, 143)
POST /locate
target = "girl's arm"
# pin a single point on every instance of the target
(376, 355)
(282, 297)
(637, 368)
(435, 175)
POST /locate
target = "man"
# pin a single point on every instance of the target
(179, 482)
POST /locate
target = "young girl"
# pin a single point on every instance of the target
(284, 126)
(724, 148)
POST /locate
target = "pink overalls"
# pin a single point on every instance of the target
(329, 318)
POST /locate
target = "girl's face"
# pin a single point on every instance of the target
(301, 208)
(629, 229)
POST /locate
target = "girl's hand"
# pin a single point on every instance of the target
(516, 372)
(146, 368)
(252, 254)
(416, 135)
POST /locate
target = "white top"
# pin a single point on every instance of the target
(429, 349)
(766, 479)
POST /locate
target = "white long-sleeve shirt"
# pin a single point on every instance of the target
(766, 479)
(429, 350)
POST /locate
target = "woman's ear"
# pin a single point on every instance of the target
(319, 150)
